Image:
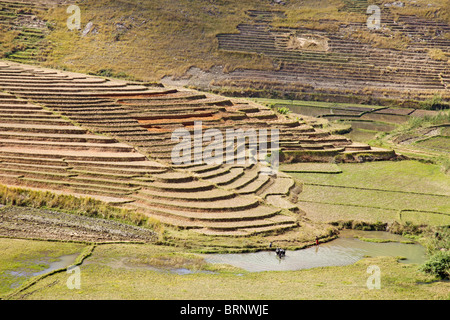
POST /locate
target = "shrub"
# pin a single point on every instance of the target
(405, 228)
(438, 249)
(438, 238)
(105, 73)
(367, 226)
(283, 110)
(438, 265)
(434, 103)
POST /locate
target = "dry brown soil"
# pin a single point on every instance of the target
(18, 222)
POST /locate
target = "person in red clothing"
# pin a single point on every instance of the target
(317, 241)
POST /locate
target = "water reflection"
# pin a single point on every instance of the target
(342, 251)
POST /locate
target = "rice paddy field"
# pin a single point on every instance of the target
(92, 206)
(372, 192)
(153, 272)
(378, 191)
(436, 143)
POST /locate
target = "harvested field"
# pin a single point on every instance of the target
(406, 176)
(377, 198)
(28, 223)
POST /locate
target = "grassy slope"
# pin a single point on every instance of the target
(157, 38)
(103, 278)
(151, 39)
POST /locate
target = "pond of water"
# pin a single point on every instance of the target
(345, 250)
(62, 262)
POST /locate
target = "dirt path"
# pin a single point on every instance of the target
(17, 222)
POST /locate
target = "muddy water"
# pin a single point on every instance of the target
(343, 251)
(63, 262)
(375, 126)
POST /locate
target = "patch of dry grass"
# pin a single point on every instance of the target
(389, 40)
(324, 15)
(438, 54)
(149, 40)
(430, 9)
(7, 43)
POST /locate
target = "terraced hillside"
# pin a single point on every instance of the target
(296, 49)
(23, 32)
(394, 62)
(112, 140)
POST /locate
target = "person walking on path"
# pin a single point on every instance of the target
(317, 241)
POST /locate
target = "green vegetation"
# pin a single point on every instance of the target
(438, 247)
(22, 258)
(375, 240)
(311, 167)
(423, 138)
(434, 103)
(109, 73)
(378, 191)
(438, 265)
(375, 199)
(405, 194)
(425, 121)
(8, 45)
(403, 176)
(436, 143)
(283, 110)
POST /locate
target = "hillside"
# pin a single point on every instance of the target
(112, 140)
(313, 50)
(170, 149)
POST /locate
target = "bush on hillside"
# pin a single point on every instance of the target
(434, 103)
(283, 110)
(438, 265)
